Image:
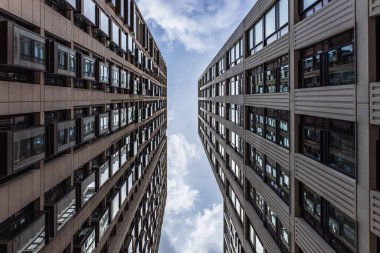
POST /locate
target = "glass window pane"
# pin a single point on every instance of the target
(270, 22)
(341, 66)
(283, 15)
(259, 32)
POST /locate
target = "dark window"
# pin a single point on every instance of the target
(269, 28)
(330, 62)
(308, 7)
(271, 77)
(269, 123)
(331, 142)
(333, 225)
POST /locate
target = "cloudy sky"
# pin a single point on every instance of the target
(189, 34)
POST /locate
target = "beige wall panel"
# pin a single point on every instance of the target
(308, 240)
(374, 7)
(335, 102)
(375, 103)
(276, 49)
(265, 237)
(275, 152)
(338, 189)
(375, 212)
(280, 208)
(269, 100)
(334, 18)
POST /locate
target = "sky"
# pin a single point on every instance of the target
(189, 33)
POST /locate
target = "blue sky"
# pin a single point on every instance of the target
(189, 34)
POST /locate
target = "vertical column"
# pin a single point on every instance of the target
(293, 83)
(366, 134)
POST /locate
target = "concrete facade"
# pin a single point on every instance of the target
(83, 116)
(342, 214)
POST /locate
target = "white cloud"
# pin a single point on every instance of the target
(194, 23)
(181, 196)
(171, 114)
(188, 230)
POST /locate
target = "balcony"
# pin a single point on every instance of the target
(115, 162)
(25, 232)
(100, 220)
(102, 173)
(84, 240)
(61, 60)
(60, 136)
(60, 205)
(86, 13)
(113, 201)
(22, 148)
(22, 48)
(85, 185)
(86, 129)
(102, 124)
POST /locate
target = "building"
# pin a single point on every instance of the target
(83, 122)
(289, 119)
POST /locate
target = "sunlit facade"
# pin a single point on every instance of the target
(83, 118)
(289, 119)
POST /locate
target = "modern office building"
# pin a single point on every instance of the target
(289, 117)
(83, 122)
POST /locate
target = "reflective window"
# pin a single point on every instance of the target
(89, 9)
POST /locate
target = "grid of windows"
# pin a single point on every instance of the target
(330, 62)
(331, 142)
(234, 114)
(235, 54)
(269, 123)
(236, 204)
(271, 77)
(269, 28)
(235, 86)
(334, 226)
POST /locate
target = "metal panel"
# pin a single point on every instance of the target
(269, 100)
(273, 200)
(375, 103)
(334, 18)
(337, 188)
(375, 212)
(374, 7)
(335, 102)
(265, 237)
(309, 240)
(277, 153)
(274, 50)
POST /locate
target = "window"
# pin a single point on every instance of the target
(104, 23)
(308, 7)
(333, 225)
(62, 59)
(331, 142)
(235, 54)
(115, 76)
(31, 50)
(269, 123)
(88, 10)
(271, 77)
(236, 142)
(103, 72)
(272, 25)
(115, 34)
(236, 171)
(235, 85)
(330, 62)
(254, 240)
(89, 68)
(236, 203)
(235, 114)
(221, 86)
